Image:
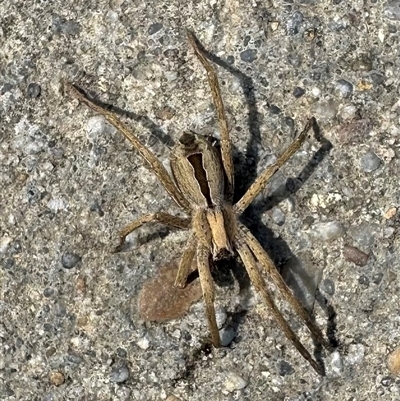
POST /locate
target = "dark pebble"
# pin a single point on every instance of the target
(294, 23)
(377, 278)
(298, 92)
(386, 381)
(248, 55)
(48, 292)
(34, 195)
(121, 352)
(74, 359)
(274, 109)
(377, 79)
(354, 255)
(285, 368)
(33, 91)
(154, 28)
(70, 260)
(363, 280)
(6, 88)
(119, 374)
(328, 286)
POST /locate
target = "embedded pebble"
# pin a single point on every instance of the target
(234, 382)
(285, 368)
(394, 362)
(277, 216)
(327, 286)
(326, 109)
(67, 27)
(377, 79)
(362, 63)
(343, 88)
(348, 112)
(227, 335)
(390, 213)
(56, 378)
(336, 365)
(97, 126)
(33, 91)
(354, 255)
(294, 23)
(298, 92)
(328, 231)
(143, 343)
(392, 10)
(154, 28)
(70, 260)
(355, 354)
(370, 162)
(248, 55)
(119, 374)
(4, 242)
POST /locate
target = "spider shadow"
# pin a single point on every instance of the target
(276, 248)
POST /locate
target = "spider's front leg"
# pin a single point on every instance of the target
(266, 175)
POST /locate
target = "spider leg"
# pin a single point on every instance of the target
(207, 285)
(226, 144)
(259, 283)
(160, 217)
(186, 262)
(268, 265)
(155, 165)
(265, 176)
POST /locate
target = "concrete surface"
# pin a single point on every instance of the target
(70, 325)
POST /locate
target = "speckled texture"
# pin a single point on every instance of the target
(70, 326)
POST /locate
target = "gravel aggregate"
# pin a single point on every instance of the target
(70, 322)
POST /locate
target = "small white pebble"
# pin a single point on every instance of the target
(176, 333)
(234, 382)
(4, 242)
(143, 343)
(328, 231)
(355, 354)
(336, 365)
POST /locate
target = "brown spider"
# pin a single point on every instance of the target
(202, 185)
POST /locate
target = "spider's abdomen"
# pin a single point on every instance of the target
(197, 169)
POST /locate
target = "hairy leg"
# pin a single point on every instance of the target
(260, 182)
(207, 285)
(159, 217)
(155, 165)
(186, 262)
(259, 283)
(268, 265)
(226, 145)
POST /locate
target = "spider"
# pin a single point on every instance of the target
(202, 185)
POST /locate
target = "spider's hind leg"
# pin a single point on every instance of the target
(249, 262)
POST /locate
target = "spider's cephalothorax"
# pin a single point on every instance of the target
(202, 185)
(198, 172)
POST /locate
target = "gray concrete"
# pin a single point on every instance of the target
(70, 325)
